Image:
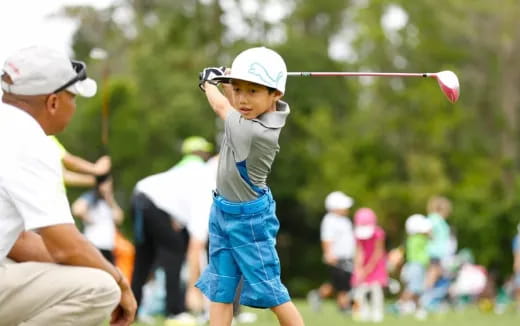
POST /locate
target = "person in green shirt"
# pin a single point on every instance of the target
(77, 171)
(418, 228)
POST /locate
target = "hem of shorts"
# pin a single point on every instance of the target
(275, 303)
(204, 288)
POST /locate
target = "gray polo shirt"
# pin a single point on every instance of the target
(248, 146)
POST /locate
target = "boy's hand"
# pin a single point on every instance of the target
(208, 74)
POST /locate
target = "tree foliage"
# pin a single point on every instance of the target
(389, 142)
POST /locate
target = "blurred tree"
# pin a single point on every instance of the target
(389, 142)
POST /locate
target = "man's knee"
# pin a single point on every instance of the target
(104, 289)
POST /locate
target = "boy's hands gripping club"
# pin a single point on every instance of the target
(209, 74)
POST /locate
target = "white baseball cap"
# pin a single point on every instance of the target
(38, 70)
(417, 223)
(261, 66)
(338, 200)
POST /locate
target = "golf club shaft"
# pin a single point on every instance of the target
(358, 74)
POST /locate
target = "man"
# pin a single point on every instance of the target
(49, 273)
(171, 211)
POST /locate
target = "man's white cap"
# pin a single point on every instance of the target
(338, 200)
(261, 66)
(417, 223)
(39, 70)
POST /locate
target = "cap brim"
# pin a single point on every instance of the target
(364, 232)
(85, 88)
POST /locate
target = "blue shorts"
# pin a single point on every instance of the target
(414, 275)
(242, 239)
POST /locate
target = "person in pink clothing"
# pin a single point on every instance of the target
(370, 274)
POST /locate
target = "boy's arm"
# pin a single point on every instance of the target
(219, 103)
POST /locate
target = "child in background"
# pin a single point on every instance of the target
(516, 267)
(338, 244)
(370, 274)
(413, 274)
(440, 246)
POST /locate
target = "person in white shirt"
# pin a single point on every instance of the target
(338, 245)
(100, 212)
(49, 273)
(171, 213)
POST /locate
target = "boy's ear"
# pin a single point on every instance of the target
(277, 95)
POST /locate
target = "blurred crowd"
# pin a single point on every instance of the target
(427, 274)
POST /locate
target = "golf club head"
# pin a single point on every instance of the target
(449, 84)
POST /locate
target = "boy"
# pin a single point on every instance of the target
(338, 244)
(413, 274)
(243, 224)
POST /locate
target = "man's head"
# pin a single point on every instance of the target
(44, 83)
(258, 77)
(196, 145)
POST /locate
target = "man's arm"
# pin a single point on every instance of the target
(67, 246)
(30, 247)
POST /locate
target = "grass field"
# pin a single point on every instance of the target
(329, 316)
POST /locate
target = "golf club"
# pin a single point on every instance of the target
(447, 80)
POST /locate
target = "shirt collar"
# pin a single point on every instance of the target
(275, 119)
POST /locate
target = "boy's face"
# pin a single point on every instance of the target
(252, 100)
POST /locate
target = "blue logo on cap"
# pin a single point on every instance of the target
(259, 70)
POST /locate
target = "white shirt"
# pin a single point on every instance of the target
(338, 230)
(31, 187)
(185, 193)
(100, 229)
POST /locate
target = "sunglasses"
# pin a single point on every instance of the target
(81, 74)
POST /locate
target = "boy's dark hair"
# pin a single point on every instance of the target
(271, 90)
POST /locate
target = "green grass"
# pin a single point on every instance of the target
(329, 316)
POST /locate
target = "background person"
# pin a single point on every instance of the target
(516, 267)
(370, 274)
(52, 274)
(100, 213)
(77, 171)
(338, 244)
(171, 211)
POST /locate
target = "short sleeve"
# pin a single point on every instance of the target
(36, 189)
(240, 133)
(59, 146)
(327, 230)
